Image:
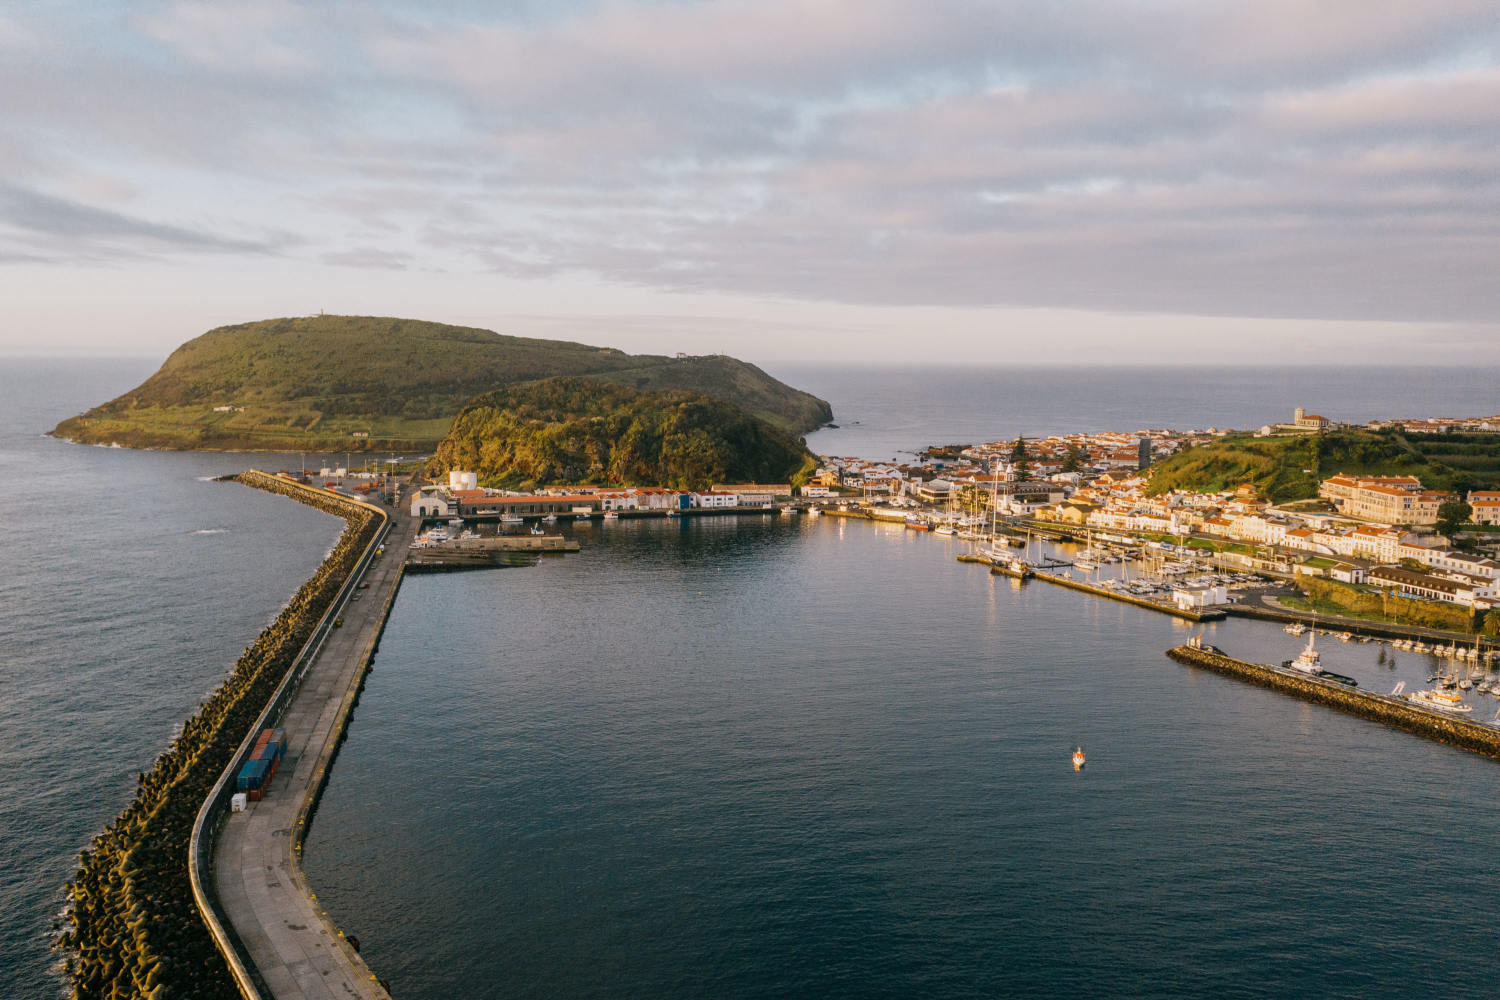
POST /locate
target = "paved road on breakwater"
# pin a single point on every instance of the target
(294, 946)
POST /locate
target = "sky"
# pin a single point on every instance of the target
(1276, 181)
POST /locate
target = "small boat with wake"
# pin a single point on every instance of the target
(1078, 759)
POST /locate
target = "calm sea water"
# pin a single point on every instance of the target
(798, 757)
(747, 757)
(131, 585)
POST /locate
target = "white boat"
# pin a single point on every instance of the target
(550, 519)
(1084, 564)
(1308, 661)
(945, 529)
(1296, 628)
(537, 531)
(611, 516)
(814, 511)
(1078, 759)
(512, 519)
(1445, 701)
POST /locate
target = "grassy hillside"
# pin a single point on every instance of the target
(311, 384)
(1290, 468)
(576, 430)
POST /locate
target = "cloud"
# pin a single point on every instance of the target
(1335, 159)
(53, 221)
(369, 259)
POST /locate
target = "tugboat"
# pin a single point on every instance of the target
(1078, 759)
(1308, 661)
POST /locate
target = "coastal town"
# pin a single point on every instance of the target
(1382, 548)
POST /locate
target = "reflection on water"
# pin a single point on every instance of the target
(759, 756)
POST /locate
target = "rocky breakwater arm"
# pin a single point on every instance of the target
(1391, 710)
(134, 927)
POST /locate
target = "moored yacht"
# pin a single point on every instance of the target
(1445, 701)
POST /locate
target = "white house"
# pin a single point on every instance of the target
(1193, 598)
(433, 501)
(619, 501)
(1463, 562)
(715, 498)
(816, 491)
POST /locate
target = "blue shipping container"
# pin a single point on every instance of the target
(252, 775)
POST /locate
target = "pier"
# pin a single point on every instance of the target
(1389, 709)
(280, 943)
(1088, 588)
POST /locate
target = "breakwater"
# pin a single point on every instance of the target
(133, 926)
(1391, 710)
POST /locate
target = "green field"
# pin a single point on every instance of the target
(312, 384)
(1290, 468)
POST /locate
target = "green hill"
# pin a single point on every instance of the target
(577, 430)
(1290, 467)
(314, 383)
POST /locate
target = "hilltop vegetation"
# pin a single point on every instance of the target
(1290, 468)
(313, 383)
(577, 430)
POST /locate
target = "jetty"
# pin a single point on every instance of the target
(246, 865)
(489, 552)
(1088, 588)
(1392, 710)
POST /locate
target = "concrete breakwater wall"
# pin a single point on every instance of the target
(1390, 710)
(134, 926)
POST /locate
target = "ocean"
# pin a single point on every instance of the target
(756, 756)
(892, 412)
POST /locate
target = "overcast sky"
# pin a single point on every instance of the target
(1274, 181)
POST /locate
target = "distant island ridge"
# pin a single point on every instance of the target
(366, 384)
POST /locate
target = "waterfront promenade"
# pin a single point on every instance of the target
(296, 951)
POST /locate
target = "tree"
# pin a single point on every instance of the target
(1452, 515)
(1020, 460)
(1492, 623)
(974, 499)
(1075, 458)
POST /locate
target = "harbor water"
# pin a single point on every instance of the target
(795, 756)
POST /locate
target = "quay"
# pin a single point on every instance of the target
(1389, 709)
(1140, 602)
(246, 866)
(1361, 626)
